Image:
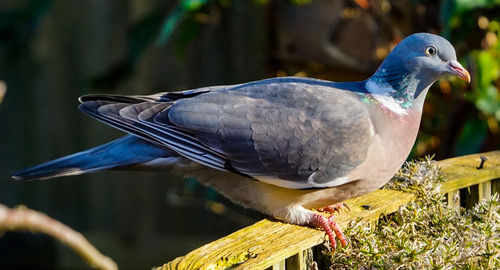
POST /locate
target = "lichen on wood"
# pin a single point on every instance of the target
(270, 241)
(273, 241)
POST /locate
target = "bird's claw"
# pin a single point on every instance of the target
(331, 229)
(335, 227)
(334, 208)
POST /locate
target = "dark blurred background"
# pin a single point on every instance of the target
(51, 52)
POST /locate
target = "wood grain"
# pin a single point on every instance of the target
(461, 172)
(268, 242)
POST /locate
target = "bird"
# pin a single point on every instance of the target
(283, 146)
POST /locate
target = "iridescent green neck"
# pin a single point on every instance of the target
(401, 87)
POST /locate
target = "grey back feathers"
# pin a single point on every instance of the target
(292, 134)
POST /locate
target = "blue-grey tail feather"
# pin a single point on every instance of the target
(121, 153)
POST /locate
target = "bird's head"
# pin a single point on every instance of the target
(414, 64)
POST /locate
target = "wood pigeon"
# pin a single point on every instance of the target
(281, 146)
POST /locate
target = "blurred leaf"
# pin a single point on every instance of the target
(191, 5)
(224, 3)
(143, 33)
(454, 13)
(188, 32)
(488, 68)
(169, 24)
(497, 115)
(494, 26)
(486, 105)
(175, 17)
(300, 2)
(261, 2)
(471, 136)
(178, 14)
(485, 95)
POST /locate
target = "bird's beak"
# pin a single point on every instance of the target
(459, 71)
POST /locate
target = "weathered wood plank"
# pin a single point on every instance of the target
(495, 186)
(461, 172)
(469, 196)
(279, 266)
(268, 242)
(484, 190)
(454, 199)
(300, 261)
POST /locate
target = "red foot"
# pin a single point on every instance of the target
(334, 208)
(329, 226)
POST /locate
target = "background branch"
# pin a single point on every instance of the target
(3, 89)
(24, 219)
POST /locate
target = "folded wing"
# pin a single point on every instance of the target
(296, 134)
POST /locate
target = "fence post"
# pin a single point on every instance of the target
(300, 261)
(279, 266)
(495, 186)
(454, 199)
(484, 190)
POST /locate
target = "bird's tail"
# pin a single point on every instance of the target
(121, 153)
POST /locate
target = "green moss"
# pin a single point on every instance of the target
(230, 262)
(426, 233)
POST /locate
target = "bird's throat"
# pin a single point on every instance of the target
(394, 90)
(398, 86)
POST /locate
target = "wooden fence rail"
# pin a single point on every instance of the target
(271, 244)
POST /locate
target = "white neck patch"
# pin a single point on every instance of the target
(379, 93)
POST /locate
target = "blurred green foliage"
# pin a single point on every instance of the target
(476, 24)
(472, 26)
(463, 22)
(173, 19)
(300, 2)
(185, 7)
(487, 61)
(457, 14)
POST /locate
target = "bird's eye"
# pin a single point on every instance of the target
(430, 50)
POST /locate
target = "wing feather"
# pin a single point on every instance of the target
(294, 133)
(110, 114)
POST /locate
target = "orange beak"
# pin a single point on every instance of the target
(459, 71)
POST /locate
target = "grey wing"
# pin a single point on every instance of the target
(288, 134)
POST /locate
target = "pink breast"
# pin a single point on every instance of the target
(394, 139)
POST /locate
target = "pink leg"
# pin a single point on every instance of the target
(335, 227)
(330, 227)
(322, 222)
(334, 208)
